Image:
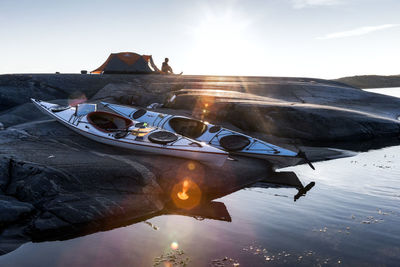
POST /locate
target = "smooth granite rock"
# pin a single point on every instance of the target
(12, 210)
(56, 184)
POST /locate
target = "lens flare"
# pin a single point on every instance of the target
(186, 194)
(191, 166)
(174, 245)
(76, 98)
(182, 195)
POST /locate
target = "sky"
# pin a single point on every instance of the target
(294, 38)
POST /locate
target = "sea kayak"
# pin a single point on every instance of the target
(116, 130)
(216, 136)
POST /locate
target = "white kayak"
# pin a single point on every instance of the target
(217, 136)
(116, 130)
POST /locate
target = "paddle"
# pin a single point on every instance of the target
(302, 154)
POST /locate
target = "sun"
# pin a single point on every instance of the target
(221, 44)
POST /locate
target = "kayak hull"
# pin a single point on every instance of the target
(183, 147)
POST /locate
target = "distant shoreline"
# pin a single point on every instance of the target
(371, 81)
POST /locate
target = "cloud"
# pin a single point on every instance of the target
(307, 3)
(358, 31)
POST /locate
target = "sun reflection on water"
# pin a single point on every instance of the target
(174, 245)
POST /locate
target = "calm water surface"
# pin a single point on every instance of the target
(350, 218)
(394, 91)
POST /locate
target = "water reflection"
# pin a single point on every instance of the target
(206, 210)
(213, 210)
(303, 191)
(285, 179)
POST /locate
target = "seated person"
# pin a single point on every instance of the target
(166, 68)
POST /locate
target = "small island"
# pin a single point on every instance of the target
(371, 81)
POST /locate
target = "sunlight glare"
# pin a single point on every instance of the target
(191, 166)
(174, 245)
(221, 44)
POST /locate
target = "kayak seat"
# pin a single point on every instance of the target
(215, 129)
(188, 127)
(234, 142)
(108, 122)
(139, 113)
(162, 137)
(106, 125)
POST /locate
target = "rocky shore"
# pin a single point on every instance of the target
(372, 81)
(55, 184)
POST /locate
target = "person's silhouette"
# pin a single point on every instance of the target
(166, 68)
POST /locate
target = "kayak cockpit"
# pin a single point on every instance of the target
(234, 142)
(188, 127)
(108, 122)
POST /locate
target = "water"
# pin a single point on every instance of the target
(350, 218)
(394, 91)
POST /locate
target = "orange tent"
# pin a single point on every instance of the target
(126, 63)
